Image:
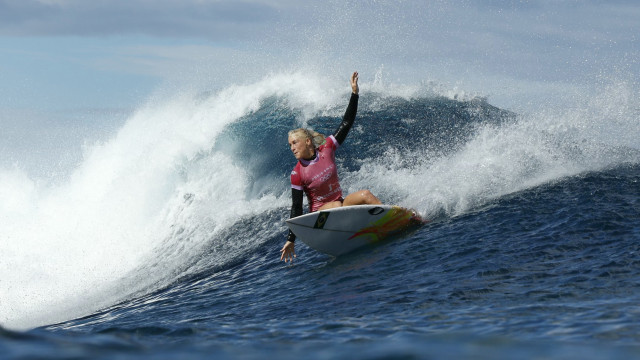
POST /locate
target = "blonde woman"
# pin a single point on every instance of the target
(315, 172)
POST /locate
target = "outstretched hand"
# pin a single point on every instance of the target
(354, 82)
(288, 251)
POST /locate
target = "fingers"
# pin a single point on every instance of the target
(287, 257)
(287, 254)
(354, 82)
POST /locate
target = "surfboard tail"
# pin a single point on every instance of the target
(396, 220)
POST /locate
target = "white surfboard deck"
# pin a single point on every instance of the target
(344, 229)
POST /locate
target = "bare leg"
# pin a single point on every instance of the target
(362, 197)
(330, 205)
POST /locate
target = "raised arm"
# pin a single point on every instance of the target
(350, 114)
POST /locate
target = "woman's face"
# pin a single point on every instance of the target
(300, 147)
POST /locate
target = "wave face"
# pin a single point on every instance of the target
(178, 219)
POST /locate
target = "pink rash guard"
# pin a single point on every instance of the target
(318, 178)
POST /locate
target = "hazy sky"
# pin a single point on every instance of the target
(70, 54)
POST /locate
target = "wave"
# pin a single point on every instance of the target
(195, 181)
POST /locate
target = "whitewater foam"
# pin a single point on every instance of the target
(143, 208)
(500, 159)
(65, 245)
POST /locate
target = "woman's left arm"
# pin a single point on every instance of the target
(350, 114)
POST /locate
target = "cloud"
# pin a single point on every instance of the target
(216, 20)
(459, 42)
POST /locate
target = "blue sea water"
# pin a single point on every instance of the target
(164, 242)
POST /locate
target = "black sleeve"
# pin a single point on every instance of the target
(296, 209)
(347, 120)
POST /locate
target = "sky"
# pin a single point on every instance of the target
(73, 71)
(68, 54)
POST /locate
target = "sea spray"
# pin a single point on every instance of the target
(199, 179)
(499, 154)
(65, 246)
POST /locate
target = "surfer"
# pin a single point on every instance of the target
(315, 172)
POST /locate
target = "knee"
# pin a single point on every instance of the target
(361, 197)
(366, 194)
(368, 197)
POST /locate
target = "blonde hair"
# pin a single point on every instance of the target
(316, 138)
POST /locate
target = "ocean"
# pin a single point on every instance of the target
(163, 240)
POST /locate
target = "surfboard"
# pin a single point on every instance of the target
(344, 229)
